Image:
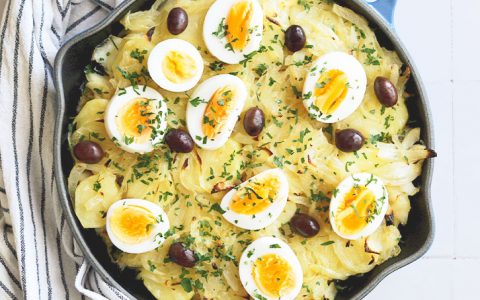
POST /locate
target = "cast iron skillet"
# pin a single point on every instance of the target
(75, 55)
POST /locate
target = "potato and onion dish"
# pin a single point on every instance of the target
(245, 148)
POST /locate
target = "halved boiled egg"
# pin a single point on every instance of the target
(214, 109)
(136, 226)
(175, 65)
(334, 87)
(257, 202)
(136, 119)
(233, 29)
(358, 206)
(269, 269)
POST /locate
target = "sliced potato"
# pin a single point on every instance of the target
(353, 256)
(93, 197)
(92, 111)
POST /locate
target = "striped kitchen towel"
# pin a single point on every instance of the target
(38, 256)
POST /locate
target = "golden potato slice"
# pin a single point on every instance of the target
(353, 256)
(92, 111)
(93, 197)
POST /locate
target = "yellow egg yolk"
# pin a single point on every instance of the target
(132, 224)
(256, 196)
(179, 67)
(238, 24)
(356, 210)
(330, 91)
(134, 120)
(273, 275)
(217, 111)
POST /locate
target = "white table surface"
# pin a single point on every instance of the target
(443, 38)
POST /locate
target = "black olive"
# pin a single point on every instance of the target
(88, 152)
(179, 141)
(177, 20)
(254, 121)
(304, 225)
(295, 38)
(349, 140)
(386, 91)
(181, 255)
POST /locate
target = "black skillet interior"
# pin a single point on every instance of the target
(417, 234)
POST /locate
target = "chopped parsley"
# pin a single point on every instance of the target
(278, 161)
(151, 266)
(186, 284)
(197, 101)
(261, 69)
(327, 243)
(248, 57)
(216, 66)
(138, 55)
(128, 140)
(221, 31)
(216, 207)
(372, 59)
(97, 186)
(306, 4)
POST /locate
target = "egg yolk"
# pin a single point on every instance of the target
(134, 120)
(356, 210)
(217, 111)
(132, 224)
(238, 23)
(179, 67)
(273, 275)
(255, 197)
(330, 91)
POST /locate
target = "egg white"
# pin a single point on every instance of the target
(157, 57)
(195, 114)
(264, 246)
(122, 98)
(265, 217)
(157, 232)
(375, 185)
(357, 80)
(218, 46)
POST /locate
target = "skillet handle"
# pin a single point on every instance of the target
(385, 8)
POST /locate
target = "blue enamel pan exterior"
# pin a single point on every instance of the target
(385, 8)
(75, 55)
